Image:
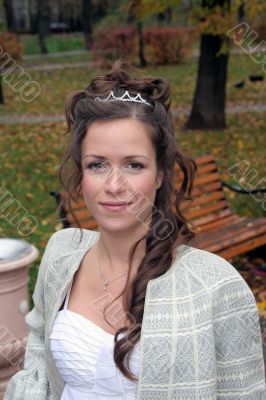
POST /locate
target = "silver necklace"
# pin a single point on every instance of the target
(106, 282)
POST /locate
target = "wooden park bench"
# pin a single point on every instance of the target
(218, 228)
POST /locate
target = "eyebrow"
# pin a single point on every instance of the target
(125, 158)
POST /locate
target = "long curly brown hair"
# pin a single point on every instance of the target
(81, 110)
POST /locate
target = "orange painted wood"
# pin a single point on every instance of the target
(88, 224)
(219, 223)
(229, 237)
(202, 200)
(243, 247)
(81, 215)
(207, 210)
(202, 221)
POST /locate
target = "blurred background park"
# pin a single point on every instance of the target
(213, 53)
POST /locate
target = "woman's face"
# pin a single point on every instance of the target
(119, 166)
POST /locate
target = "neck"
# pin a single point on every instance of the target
(113, 251)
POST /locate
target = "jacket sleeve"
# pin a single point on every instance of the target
(31, 383)
(238, 340)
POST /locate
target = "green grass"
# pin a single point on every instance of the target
(56, 85)
(54, 42)
(55, 59)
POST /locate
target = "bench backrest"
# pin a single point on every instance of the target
(208, 207)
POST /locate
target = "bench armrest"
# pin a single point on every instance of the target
(239, 189)
(62, 211)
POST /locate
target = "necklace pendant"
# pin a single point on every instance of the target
(105, 285)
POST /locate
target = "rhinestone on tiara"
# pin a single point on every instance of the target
(126, 97)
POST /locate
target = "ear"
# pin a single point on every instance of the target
(160, 176)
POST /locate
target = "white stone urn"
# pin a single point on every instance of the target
(16, 257)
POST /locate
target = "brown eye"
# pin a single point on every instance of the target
(140, 166)
(91, 165)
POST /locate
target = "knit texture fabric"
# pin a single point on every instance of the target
(200, 334)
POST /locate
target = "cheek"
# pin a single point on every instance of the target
(89, 186)
(144, 199)
(146, 186)
(90, 191)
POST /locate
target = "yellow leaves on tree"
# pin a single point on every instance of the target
(210, 17)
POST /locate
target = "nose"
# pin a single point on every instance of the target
(115, 182)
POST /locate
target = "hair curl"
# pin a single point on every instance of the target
(81, 110)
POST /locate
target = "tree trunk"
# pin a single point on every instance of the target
(10, 16)
(1, 91)
(208, 110)
(142, 59)
(86, 23)
(241, 13)
(132, 19)
(43, 8)
(27, 16)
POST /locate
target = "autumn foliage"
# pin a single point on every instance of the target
(161, 45)
(167, 45)
(259, 26)
(110, 44)
(10, 44)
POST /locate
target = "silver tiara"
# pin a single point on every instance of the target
(126, 97)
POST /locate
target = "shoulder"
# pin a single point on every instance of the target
(213, 279)
(212, 270)
(68, 240)
(62, 251)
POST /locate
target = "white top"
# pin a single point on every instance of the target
(83, 354)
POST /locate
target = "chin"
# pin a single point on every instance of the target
(118, 226)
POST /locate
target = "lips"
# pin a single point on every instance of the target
(115, 204)
(113, 207)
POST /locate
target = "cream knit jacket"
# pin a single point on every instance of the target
(200, 334)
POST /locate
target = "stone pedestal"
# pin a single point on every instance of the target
(15, 259)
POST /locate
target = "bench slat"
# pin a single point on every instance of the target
(218, 247)
(199, 201)
(207, 158)
(219, 223)
(248, 245)
(80, 214)
(202, 169)
(236, 227)
(87, 224)
(207, 210)
(207, 188)
(227, 237)
(202, 221)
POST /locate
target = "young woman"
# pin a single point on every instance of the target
(132, 311)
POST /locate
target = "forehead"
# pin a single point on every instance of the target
(125, 136)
